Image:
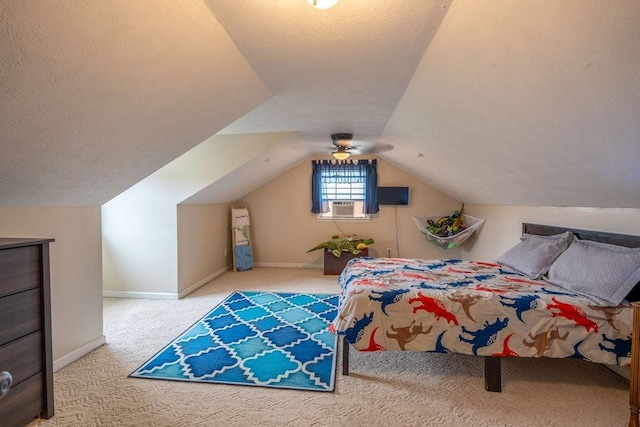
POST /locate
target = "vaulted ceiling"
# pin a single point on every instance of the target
(528, 102)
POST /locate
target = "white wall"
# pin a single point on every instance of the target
(283, 228)
(204, 250)
(139, 226)
(76, 272)
(140, 245)
(503, 225)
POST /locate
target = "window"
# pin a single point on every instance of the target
(344, 189)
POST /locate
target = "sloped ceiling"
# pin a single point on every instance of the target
(201, 167)
(98, 95)
(338, 70)
(529, 102)
(254, 173)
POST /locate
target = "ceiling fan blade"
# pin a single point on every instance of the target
(345, 142)
(374, 149)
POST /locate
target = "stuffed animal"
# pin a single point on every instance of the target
(447, 225)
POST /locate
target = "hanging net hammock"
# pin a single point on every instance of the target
(469, 225)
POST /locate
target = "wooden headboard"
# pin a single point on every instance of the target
(598, 236)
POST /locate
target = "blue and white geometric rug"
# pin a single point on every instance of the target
(255, 338)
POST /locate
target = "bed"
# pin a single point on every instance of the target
(487, 309)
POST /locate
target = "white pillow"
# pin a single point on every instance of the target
(604, 272)
(534, 254)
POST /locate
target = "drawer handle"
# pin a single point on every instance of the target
(5, 383)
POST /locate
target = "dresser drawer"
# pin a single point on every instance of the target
(20, 314)
(19, 269)
(22, 403)
(22, 358)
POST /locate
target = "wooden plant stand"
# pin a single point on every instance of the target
(334, 265)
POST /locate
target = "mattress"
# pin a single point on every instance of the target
(475, 308)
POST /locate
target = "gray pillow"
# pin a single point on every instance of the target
(534, 254)
(606, 273)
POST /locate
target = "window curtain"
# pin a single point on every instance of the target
(325, 171)
(371, 187)
(319, 204)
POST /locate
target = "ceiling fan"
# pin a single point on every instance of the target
(343, 146)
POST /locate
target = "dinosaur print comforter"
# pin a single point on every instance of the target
(477, 308)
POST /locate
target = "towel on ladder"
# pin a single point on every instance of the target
(240, 218)
(241, 236)
(244, 257)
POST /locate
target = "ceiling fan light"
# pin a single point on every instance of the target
(341, 155)
(322, 4)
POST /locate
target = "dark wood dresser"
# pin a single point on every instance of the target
(25, 330)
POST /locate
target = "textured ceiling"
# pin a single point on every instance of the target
(533, 102)
(97, 95)
(527, 103)
(338, 70)
(252, 174)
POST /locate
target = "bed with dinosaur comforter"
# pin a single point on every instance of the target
(475, 308)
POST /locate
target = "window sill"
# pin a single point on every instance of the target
(343, 219)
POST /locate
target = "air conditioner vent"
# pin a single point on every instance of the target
(343, 209)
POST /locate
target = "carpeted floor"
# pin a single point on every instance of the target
(412, 389)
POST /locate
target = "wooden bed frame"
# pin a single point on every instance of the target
(492, 371)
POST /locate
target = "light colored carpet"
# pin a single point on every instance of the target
(395, 388)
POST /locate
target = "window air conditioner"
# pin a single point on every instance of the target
(342, 209)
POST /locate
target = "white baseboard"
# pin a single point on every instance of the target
(144, 295)
(203, 281)
(288, 265)
(165, 295)
(78, 353)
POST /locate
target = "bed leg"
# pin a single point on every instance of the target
(345, 357)
(492, 374)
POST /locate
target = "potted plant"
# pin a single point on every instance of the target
(338, 251)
